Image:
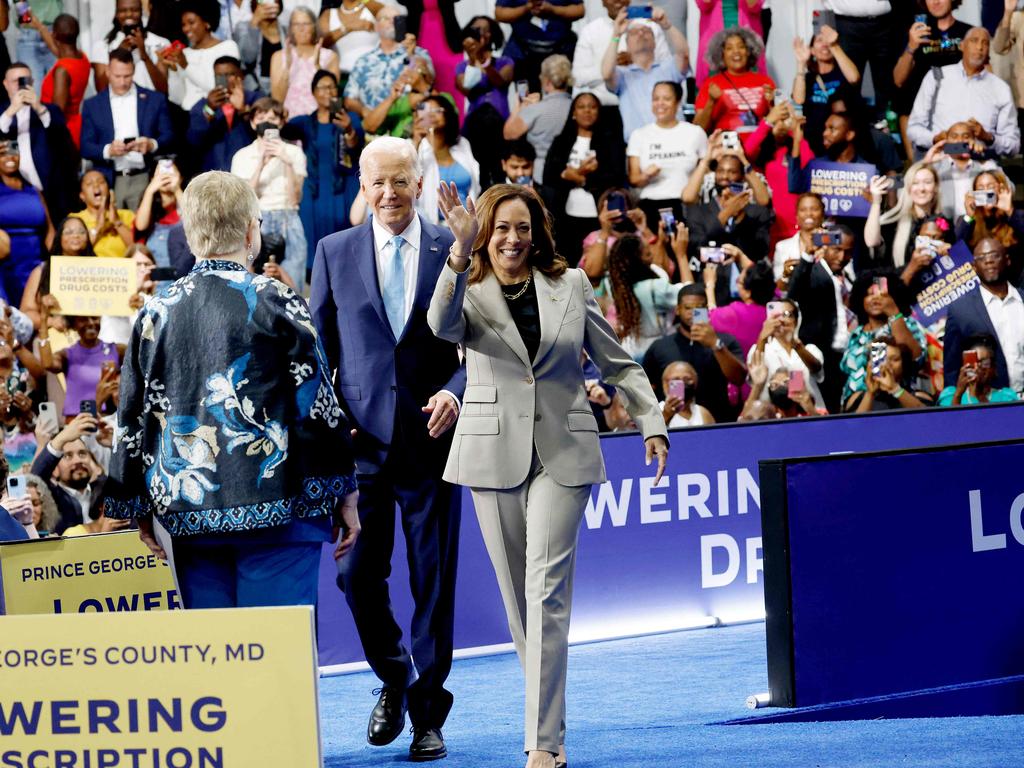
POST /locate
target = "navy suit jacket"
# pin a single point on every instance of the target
(55, 158)
(383, 382)
(968, 317)
(214, 140)
(154, 120)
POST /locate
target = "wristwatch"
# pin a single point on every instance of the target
(719, 345)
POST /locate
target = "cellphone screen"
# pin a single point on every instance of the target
(700, 316)
(796, 382)
(668, 219)
(639, 12)
(971, 357)
(221, 81)
(522, 88)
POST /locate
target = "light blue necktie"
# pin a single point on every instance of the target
(394, 287)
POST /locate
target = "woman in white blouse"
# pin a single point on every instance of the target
(191, 78)
(351, 30)
(779, 347)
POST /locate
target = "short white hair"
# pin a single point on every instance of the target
(217, 208)
(391, 146)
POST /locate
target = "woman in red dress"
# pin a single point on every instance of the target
(64, 85)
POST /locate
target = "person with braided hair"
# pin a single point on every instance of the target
(644, 297)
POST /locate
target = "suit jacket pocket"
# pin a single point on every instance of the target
(481, 393)
(479, 425)
(351, 392)
(582, 421)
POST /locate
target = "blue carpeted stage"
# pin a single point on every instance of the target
(651, 701)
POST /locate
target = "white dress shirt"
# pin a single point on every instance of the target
(273, 189)
(410, 256)
(125, 111)
(590, 47)
(860, 8)
(841, 339)
(984, 96)
(28, 164)
(1007, 316)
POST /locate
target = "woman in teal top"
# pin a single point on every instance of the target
(974, 384)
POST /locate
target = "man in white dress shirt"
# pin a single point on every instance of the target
(123, 127)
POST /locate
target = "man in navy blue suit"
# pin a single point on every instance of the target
(401, 387)
(123, 128)
(48, 157)
(994, 309)
(217, 127)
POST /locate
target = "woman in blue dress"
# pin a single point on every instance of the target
(332, 139)
(23, 216)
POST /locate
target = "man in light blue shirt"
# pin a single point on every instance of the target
(634, 83)
(966, 92)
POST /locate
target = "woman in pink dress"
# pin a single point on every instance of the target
(438, 27)
(293, 67)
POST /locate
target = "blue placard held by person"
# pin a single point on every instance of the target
(841, 186)
(949, 278)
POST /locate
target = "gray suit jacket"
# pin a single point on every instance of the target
(511, 403)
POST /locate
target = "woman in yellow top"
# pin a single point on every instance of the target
(110, 228)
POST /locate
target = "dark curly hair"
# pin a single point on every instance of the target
(759, 280)
(626, 268)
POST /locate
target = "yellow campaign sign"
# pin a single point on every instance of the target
(102, 573)
(227, 688)
(88, 285)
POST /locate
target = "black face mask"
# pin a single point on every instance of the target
(780, 397)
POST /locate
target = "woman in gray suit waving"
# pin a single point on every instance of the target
(526, 442)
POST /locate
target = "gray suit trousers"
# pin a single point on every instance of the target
(530, 532)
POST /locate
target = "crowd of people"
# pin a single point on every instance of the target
(674, 173)
(675, 170)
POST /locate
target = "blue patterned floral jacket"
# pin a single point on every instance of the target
(227, 421)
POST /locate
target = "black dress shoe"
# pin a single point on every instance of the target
(427, 744)
(388, 718)
(561, 765)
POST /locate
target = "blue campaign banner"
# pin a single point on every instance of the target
(901, 570)
(949, 279)
(663, 558)
(841, 186)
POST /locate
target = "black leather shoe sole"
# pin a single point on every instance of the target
(426, 756)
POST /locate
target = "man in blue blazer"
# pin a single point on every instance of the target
(124, 111)
(994, 309)
(217, 127)
(42, 134)
(401, 386)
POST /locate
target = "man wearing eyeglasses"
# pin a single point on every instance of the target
(994, 309)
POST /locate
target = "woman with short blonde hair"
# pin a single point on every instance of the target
(229, 432)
